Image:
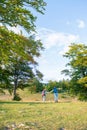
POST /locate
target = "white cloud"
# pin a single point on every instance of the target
(81, 24)
(50, 38)
(51, 63)
(51, 75)
(52, 72)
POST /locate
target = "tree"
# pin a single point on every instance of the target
(51, 84)
(18, 12)
(77, 55)
(14, 47)
(21, 66)
(36, 85)
(64, 85)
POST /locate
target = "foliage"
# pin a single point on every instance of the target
(21, 66)
(17, 52)
(51, 85)
(18, 12)
(62, 85)
(77, 55)
(14, 45)
(17, 97)
(36, 86)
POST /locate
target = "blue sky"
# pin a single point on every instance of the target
(64, 22)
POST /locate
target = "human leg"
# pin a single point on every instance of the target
(56, 97)
(44, 98)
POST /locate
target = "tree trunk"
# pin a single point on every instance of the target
(15, 87)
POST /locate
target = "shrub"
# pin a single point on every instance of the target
(17, 97)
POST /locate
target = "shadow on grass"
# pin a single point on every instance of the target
(32, 102)
(16, 102)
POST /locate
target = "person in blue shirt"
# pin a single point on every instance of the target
(55, 91)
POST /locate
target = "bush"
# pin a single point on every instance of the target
(17, 97)
(82, 96)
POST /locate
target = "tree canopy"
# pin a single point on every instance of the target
(18, 52)
(77, 56)
(18, 12)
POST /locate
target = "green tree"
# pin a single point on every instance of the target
(16, 13)
(19, 12)
(15, 46)
(21, 65)
(51, 84)
(36, 85)
(64, 85)
(77, 55)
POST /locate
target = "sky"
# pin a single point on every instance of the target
(64, 22)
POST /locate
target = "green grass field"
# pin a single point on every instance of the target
(33, 114)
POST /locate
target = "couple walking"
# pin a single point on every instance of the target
(54, 90)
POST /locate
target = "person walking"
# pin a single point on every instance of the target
(44, 95)
(55, 91)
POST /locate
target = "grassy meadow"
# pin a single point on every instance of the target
(33, 114)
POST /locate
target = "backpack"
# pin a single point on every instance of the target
(43, 93)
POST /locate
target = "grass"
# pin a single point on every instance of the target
(34, 114)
